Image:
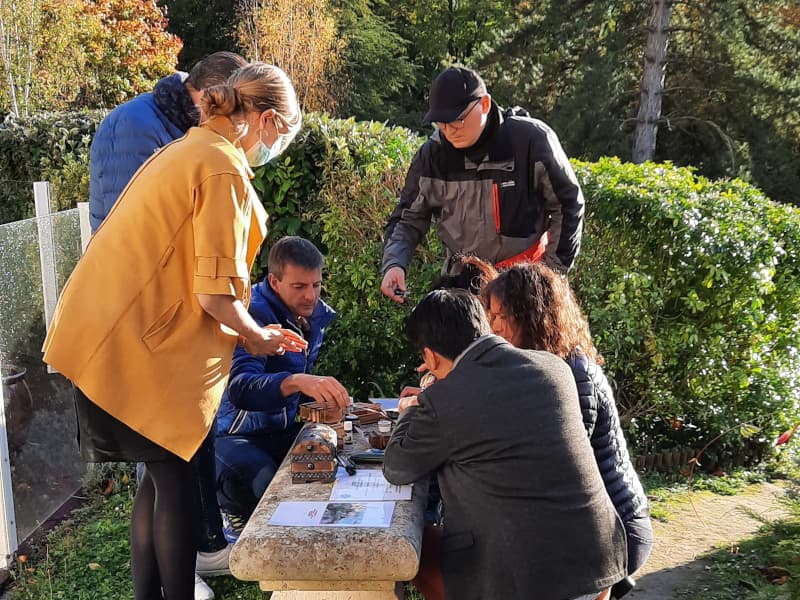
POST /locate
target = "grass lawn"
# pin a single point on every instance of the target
(763, 567)
(666, 490)
(87, 557)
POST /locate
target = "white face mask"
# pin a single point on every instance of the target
(260, 154)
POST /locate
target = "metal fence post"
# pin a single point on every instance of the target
(86, 226)
(8, 521)
(47, 255)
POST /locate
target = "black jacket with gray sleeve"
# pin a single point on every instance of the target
(493, 201)
(601, 420)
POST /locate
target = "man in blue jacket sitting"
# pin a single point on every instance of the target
(256, 422)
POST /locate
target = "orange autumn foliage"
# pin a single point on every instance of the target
(300, 37)
(84, 53)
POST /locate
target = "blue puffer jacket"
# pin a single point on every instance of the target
(128, 136)
(601, 419)
(252, 403)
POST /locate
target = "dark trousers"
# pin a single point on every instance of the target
(247, 464)
(211, 536)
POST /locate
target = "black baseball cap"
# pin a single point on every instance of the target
(451, 92)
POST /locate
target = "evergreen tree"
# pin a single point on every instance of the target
(375, 69)
(205, 26)
(730, 101)
(440, 33)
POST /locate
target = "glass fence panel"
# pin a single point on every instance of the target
(45, 464)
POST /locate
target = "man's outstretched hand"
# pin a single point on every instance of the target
(394, 284)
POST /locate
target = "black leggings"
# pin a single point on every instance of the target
(163, 536)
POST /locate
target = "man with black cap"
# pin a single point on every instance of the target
(499, 186)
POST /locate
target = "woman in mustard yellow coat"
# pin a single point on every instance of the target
(146, 325)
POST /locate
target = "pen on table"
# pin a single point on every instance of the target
(348, 464)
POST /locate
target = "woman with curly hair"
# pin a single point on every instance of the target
(533, 307)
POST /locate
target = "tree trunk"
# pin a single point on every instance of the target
(654, 70)
(451, 44)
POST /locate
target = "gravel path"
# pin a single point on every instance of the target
(708, 522)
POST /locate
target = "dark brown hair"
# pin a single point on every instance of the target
(294, 250)
(540, 302)
(466, 272)
(214, 69)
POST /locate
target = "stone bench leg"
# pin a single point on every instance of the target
(334, 590)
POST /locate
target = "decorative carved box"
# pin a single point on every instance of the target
(314, 454)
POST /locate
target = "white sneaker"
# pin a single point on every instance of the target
(211, 564)
(201, 589)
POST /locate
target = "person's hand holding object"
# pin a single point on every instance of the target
(327, 391)
(274, 340)
(410, 390)
(407, 401)
(394, 284)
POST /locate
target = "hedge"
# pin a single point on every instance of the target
(693, 293)
(50, 147)
(691, 286)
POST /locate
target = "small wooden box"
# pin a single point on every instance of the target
(379, 440)
(314, 454)
(367, 413)
(313, 412)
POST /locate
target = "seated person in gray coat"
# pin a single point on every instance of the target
(526, 514)
(256, 424)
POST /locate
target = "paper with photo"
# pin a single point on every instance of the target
(387, 403)
(367, 485)
(333, 514)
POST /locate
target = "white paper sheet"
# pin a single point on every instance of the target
(333, 514)
(367, 485)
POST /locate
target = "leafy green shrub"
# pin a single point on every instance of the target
(693, 293)
(48, 147)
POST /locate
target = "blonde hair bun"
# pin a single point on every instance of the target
(222, 100)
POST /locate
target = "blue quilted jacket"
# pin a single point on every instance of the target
(252, 403)
(125, 139)
(601, 419)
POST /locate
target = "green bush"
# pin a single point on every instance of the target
(693, 293)
(49, 147)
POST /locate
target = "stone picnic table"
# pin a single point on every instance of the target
(330, 563)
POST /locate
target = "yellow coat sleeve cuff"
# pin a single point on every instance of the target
(220, 275)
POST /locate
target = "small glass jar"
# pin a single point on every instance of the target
(348, 431)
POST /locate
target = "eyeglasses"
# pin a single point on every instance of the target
(458, 122)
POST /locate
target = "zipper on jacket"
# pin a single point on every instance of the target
(305, 367)
(496, 203)
(238, 422)
(241, 416)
